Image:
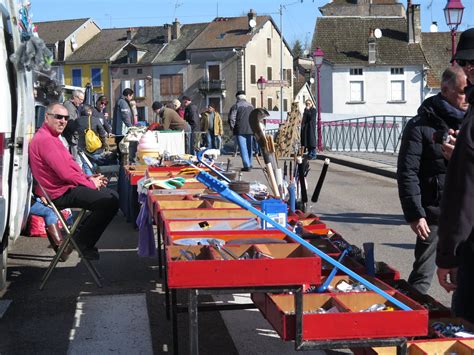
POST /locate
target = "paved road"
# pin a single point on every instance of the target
(127, 316)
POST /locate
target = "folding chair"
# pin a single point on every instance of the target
(107, 170)
(68, 239)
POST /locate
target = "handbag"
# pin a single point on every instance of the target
(93, 141)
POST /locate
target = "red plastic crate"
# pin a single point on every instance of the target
(292, 265)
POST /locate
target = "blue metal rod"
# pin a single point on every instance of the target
(224, 191)
(326, 283)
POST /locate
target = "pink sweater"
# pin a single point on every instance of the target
(53, 166)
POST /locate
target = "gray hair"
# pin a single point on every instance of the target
(241, 97)
(450, 77)
(51, 106)
(77, 93)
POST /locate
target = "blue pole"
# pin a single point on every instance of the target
(227, 193)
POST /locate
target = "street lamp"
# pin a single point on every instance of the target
(318, 56)
(261, 82)
(453, 14)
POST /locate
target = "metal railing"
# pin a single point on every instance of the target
(212, 85)
(367, 134)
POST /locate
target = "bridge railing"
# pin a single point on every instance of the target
(364, 134)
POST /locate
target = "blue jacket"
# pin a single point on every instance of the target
(122, 116)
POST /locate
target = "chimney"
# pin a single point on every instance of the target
(129, 34)
(434, 26)
(413, 23)
(168, 31)
(175, 29)
(372, 47)
(252, 20)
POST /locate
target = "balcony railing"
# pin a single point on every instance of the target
(212, 85)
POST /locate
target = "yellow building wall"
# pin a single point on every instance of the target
(87, 76)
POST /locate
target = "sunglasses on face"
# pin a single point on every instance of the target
(463, 62)
(58, 116)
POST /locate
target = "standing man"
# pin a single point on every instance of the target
(455, 252)
(191, 116)
(74, 108)
(123, 115)
(239, 123)
(308, 129)
(211, 123)
(422, 169)
(63, 180)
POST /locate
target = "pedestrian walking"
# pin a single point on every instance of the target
(239, 123)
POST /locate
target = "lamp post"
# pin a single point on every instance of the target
(453, 14)
(318, 56)
(261, 82)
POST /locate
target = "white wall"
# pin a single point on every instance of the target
(377, 91)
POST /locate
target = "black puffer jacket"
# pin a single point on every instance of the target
(421, 165)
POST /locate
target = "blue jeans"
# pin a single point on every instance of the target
(212, 141)
(246, 149)
(38, 209)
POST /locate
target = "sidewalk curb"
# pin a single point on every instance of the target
(359, 166)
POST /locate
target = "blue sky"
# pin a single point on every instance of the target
(299, 18)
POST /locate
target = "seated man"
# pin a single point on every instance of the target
(57, 172)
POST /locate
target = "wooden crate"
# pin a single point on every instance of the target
(292, 264)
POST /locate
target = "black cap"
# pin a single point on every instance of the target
(185, 98)
(156, 105)
(240, 92)
(465, 48)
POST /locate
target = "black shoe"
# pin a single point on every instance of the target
(89, 253)
(246, 169)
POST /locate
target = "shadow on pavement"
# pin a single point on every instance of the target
(364, 218)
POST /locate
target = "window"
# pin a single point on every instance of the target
(269, 73)
(356, 71)
(171, 85)
(76, 77)
(269, 47)
(125, 84)
(96, 75)
(270, 104)
(253, 74)
(139, 88)
(213, 72)
(397, 90)
(139, 71)
(253, 101)
(356, 91)
(215, 102)
(285, 105)
(396, 71)
(125, 72)
(288, 76)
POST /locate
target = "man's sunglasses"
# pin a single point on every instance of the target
(58, 116)
(463, 62)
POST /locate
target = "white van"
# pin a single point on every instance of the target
(17, 126)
